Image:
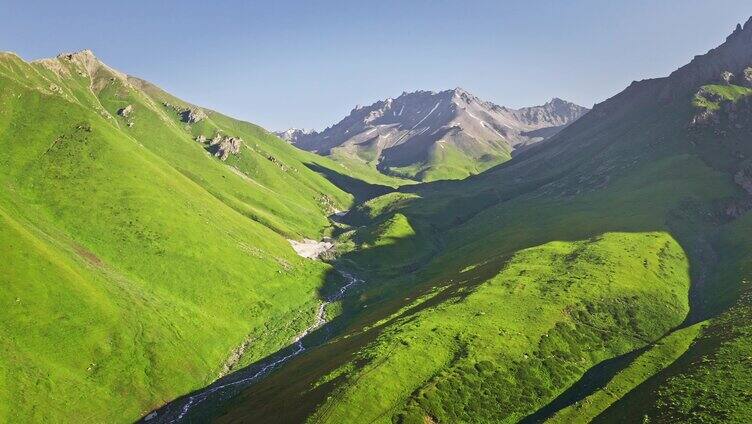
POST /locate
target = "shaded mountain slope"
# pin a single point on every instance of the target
(667, 159)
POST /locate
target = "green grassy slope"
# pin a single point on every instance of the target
(711, 382)
(445, 161)
(661, 355)
(521, 337)
(135, 262)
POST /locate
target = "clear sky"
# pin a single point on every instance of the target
(307, 63)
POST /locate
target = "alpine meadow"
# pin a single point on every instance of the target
(432, 257)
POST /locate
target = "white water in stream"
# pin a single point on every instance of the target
(297, 342)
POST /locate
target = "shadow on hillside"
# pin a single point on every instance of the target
(474, 208)
(361, 190)
(293, 390)
(288, 368)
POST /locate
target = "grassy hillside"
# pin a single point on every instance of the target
(444, 161)
(136, 262)
(513, 342)
(654, 360)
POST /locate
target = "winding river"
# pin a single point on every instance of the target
(177, 410)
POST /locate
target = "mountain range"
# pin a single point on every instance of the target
(166, 263)
(427, 135)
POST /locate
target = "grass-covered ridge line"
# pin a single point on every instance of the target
(714, 388)
(658, 357)
(517, 340)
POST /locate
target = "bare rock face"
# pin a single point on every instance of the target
(746, 79)
(223, 146)
(704, 118)
(228, 146)
(192, 116)
(126, 111)
(88, 64)
(727, 77)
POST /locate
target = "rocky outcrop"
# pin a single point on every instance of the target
(746, 79)
(221, 146)
(704, 118)
(126, 111)
(192, 115)
(714, 110)
(224, 146)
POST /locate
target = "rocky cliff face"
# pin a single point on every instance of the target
(728, 61)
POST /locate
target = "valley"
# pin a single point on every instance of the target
(431, 258)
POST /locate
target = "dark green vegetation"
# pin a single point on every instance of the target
(502, 350)
(499, 292)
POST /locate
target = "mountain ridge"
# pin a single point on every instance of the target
(428, 135)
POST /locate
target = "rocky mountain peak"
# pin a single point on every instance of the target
(292, 134)
(403, 131)
(733, 56)
(555, 112)
(84, 62)
(83, 55)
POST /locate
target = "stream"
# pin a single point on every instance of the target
(177, 410)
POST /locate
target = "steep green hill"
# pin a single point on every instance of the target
(136, 262)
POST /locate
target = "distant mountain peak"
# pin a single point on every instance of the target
(418, 128)
(291, 134)
(86, 54)
(85, 62)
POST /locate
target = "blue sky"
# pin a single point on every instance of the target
(307, 63)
